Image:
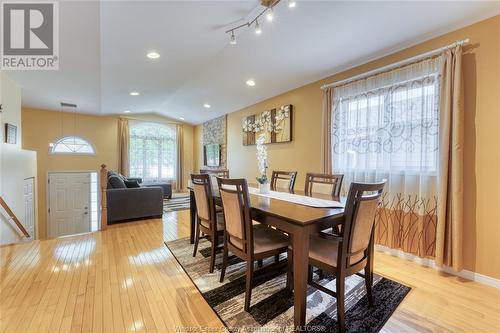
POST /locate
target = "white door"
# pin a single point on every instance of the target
(69, 203)
(29, 206)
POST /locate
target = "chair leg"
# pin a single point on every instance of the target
(260, 263)
(321, 274)
(212, 253)
(369, 284)
(309, 273)
(289, 271)
(224, 261)
(276, 258)
(248, 291)
(340, 283)
(196, 239)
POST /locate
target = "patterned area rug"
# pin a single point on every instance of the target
(272, 305)
(176, 203)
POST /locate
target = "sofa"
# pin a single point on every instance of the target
(128, 199)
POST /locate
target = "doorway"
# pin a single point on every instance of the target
(72, 203)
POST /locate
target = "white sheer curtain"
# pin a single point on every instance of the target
(153, 151)
(386, 127)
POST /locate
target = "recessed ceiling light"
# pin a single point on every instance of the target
(153, 55)
(208, 106)
(291, 3)
(135, 93)
(181, 118)
(250, 83)
(126, 111)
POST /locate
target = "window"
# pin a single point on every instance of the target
(72, 145)
(388, 126)
(153, 151)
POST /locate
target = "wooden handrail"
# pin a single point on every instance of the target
(104, 199)
(14, 218)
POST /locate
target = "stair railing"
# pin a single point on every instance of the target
(13, 217)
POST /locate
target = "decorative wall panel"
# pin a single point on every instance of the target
(275, 124)
(214, 132)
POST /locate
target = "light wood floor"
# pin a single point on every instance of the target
(125, 279)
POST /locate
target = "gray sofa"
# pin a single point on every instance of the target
(125, 203)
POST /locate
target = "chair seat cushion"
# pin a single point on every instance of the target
(267, 239)
(326, 250)
(323, 250)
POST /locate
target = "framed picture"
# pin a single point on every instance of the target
(212, 155)
(275, 125)
(10, 134)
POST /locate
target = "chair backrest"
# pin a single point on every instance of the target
(205, 204)
(236, 204)
(223, 173)
(335, 181)
(361, 206)
(280, 177)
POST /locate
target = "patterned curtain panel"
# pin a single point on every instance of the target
(387, 127)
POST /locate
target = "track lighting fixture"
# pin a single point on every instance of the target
(233, 39)
(269, 11)
(270, 14)
(258, 30)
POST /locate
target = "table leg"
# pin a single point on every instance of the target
(192, 216)
(300, 264)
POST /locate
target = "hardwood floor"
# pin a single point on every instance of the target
(125, 279)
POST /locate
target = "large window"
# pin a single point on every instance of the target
(153, 151)
(390, 127)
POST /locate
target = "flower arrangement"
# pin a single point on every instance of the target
(262, 159)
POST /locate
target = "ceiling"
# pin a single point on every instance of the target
(103, 48)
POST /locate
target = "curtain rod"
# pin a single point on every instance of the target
(396, 64)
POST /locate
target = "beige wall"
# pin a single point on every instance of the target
(44, 126)
(482, 125)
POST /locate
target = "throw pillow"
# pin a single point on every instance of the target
(132, 184)
(116, 182)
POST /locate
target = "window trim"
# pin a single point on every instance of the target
(58, 141)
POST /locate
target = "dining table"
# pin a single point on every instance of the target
(299, 221)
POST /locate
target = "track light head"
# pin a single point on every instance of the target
(258, 30)
(270, 14)
(232, 41)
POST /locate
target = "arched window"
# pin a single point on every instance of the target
(72, 145)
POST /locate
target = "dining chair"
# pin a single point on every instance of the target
(224, 173)
(245, 240)
(326, 179)
(209, 220)
(345, 254)
(288, 177)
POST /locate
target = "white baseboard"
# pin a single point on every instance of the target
(484, 279)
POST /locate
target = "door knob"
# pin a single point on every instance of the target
(86, 207)
(86, 213)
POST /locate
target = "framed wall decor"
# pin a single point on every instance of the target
(275, 124)
(10, 134)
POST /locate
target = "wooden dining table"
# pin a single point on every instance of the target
(299, 221)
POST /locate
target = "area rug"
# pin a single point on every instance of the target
(176, 203)
(272, 304)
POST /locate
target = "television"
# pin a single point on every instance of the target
(212, 155)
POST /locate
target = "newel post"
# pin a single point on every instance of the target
(104, 199)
